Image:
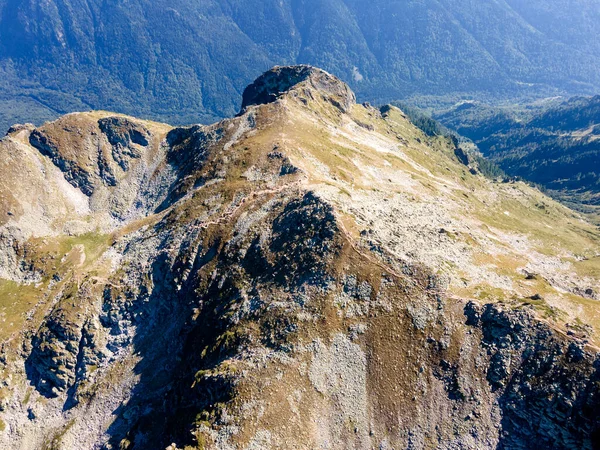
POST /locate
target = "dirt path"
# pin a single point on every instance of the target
(253, 196)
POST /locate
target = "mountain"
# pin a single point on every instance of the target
(188, 62)
(556, 146)
(313, 273)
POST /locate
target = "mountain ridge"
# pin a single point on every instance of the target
(311, 272)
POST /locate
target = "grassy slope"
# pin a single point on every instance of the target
(510, 225)
(553, 144)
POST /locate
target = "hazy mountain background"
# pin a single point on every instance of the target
(185, 61)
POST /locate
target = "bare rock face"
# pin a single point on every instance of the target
(75, 174)
(127, 139)
(546, 383)
(280, 80)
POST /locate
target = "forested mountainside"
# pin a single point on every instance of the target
(186, 61)
(313, 273)
(556, 146)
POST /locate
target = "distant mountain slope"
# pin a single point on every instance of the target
(557, 148)
(189, 61)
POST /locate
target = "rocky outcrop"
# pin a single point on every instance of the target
(547, 384)
(126, 138)
(58, 347)
(14, 264)
(280, 80)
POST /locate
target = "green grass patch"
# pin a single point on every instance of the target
(588, 267)
(16, 300)
(544, 309)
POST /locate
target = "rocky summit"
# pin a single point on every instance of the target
(311, 274)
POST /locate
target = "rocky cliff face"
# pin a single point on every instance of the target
(305, 275)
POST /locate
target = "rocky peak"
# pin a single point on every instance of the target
(282, 79)
(18, 128)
